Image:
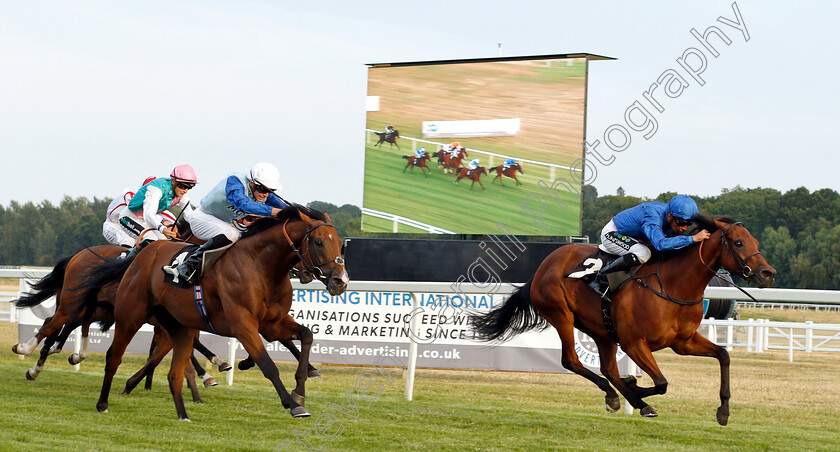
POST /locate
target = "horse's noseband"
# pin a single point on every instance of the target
(315, 269)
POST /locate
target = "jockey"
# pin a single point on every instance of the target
(143, 212)
(473, 164)
(659, 223)
(228, 210)
(419, 154)
(389, 130)
(508, 163)
(111, 229)
(455, 149)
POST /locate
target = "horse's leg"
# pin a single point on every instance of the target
(564, 324)
(627, 387)
(698, 345)
(123, 333)
(223, 365)
(312, 372)
(38, 367)
(297, 331)
(641, 354)
(76, 358)
(246, 332)
(480, 184)
(189, 375)
(182, 339)
(160, 348)
(156, 338)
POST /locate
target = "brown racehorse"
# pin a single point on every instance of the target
(660, 307)
(509, 172)
(390, 139)
(453, 164)
(415, 161)
(244, 293)
(474, 176)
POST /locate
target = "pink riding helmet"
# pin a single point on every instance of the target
(184, 173)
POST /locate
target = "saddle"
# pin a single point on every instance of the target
(207, 260)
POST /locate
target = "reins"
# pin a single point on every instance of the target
(746, 271)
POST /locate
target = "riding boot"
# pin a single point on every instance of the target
(132, 252)
(622, 263)
(185, 272)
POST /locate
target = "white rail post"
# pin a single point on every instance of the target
(766, 334)
(396, 225)
(750, 333)
(412, 349)
(729, 334)
(790, 346)
(231, 359)
(712, 330)
(809, 336)
(759, 336)
(631, 370)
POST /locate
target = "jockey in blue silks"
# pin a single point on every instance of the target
(419, 153)
(659, 223)
(508, 163)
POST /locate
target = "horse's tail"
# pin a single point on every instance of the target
(48, 286)
(99, 276)
(517, 315)
(406, 157)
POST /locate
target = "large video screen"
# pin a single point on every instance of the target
(457, 147)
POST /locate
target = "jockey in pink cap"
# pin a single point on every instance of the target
(143, 212)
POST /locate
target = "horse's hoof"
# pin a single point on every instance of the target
(20, 349)
(314, 373)
(102, 407)
(224, 366)
(30, 376)
(300, 411)
(299, 399)
(723, 416)
(74, 359)
(210, 381)
(648, 411)
(612, 404)
(245, 364)
(184, 419)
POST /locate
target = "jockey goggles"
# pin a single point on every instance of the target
(184, 185)
(262, 188)
(682, 221)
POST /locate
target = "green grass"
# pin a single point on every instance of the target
(776, 405)
(435, 200)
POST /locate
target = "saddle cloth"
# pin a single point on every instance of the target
(588, 268)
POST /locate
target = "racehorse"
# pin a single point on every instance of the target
(661, 308)
(474, 176)
(244, 297)
(415, 161)
(509, 172)
(63, 282)
(452, 165)
(390, 139)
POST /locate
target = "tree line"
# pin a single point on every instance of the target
(798, 231)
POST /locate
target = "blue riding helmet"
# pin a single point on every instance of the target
(682, 206)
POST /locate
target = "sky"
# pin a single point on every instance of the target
(97, 95)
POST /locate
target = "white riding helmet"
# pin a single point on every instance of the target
(266, 175)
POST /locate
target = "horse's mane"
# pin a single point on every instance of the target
(700, 222)
(292, 211)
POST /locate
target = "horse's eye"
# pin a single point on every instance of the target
(739, 243)
(319, 242)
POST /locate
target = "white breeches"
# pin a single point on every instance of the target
(612, 245)
(206, 226)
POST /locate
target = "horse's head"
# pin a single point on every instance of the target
(518, 167)
(321, 255)
(481, 170)
(740, 254)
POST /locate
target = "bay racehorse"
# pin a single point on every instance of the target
(509, 172)
(247, 293)
(421, 162)
(473, 175)
(453, 164)
(391, 138)
(661, 306)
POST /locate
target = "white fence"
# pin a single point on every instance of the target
(759, 335)
(552, 167)
(396, 219)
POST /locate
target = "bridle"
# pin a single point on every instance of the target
(746, 270)
(315, 269)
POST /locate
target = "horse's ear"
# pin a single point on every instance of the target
(327, 216)
(305, 217)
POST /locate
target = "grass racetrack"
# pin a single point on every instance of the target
(436, 201)
(776, 405)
